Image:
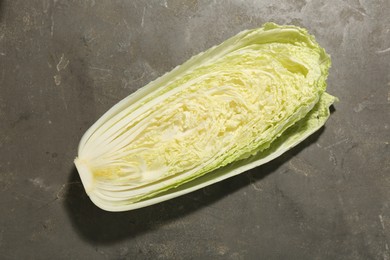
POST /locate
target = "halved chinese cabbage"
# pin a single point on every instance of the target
(226, 110)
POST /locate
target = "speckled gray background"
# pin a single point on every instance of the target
(64, 63)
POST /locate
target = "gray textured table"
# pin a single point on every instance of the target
(64, 63)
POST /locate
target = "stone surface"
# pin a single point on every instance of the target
(64, 63)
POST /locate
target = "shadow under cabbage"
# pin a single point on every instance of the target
(97, 226)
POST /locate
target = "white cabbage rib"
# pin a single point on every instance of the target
(230, 104)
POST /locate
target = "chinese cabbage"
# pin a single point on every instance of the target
(224, 111)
